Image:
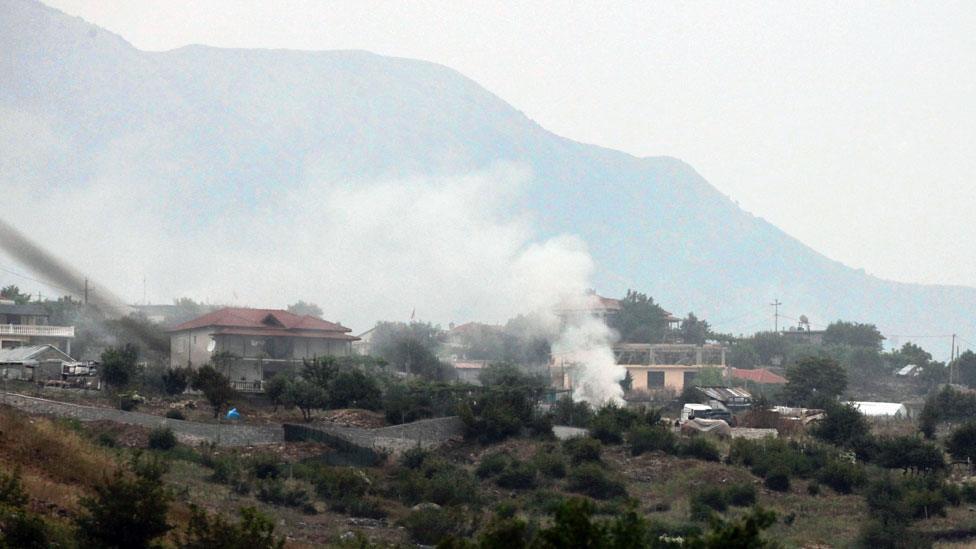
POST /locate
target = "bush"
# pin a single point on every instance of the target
(778, 479)
(842, 476)
(492, 464)
(567, 412)
(712, 497)
(175, 414)
(582, 449)
(265, 466)
(161, 438)
(254, 531)
(175, 380)
(550, 462)
(430, 526)
(107, 440)
(278, 492)
(698, 447)
(128, 510)
(645, 438)
(590, 479)
(339, 482)
(843, 426)
(813, 489)
(741, 495)
(517, 476)
(968, 492)
(452, 486)
(909, 453)
(962, 442)
(414, 457)
(360, 507)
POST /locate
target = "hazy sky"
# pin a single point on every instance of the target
(850, 125)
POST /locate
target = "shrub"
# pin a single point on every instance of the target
(550, 462)
(842, 426)
(265, 466)
(842, 476)
(517, 476)
(414, 457)
(278, 492)
(741, 495)
(909, 453)
(813, 489)
(567, 412)
(254, 531)
(339, 482)
(161, 438)
(492, 464)
(968, 492)
(127, 510)
(175, 380)
(360, 507)
(452, 486)
(778, 479)
(698, 447)
(175, 414)
(107, 440)
(430, 526)
(590, 479)
(712, 497)
(646, 438)
(582, 449)
(923, 503)
(962, 442)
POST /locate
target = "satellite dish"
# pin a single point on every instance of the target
(211, 346)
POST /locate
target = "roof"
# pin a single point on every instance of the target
(758, 375)
(26, 309)
(696, 406)
(911, 369)
(30, 353)
(877, 409)
(726, 394)
(264, 322)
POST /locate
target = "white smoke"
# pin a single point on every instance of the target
(584, 347)
(451, 248)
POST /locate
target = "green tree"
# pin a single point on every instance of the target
(118, 364)
(843, 425)
(355, 389)
(962, 442)
(303, 309)
(14, 294)
(127, 511)
(411, 348)
(853, 334)
(306, 396)
(215, 387)
(506, 402)
(813, 380)
(743, 354)
(966, 366)
(693, 330)
(176, 380)
(253, 531)
(640, 320)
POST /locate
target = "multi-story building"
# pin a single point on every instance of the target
(28, 324)
(256, 343)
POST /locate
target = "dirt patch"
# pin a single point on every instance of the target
(353, 417)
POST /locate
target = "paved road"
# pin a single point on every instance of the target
(186, 431)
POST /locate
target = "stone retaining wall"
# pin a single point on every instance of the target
(188, 432)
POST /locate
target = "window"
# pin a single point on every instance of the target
(690, 378)
(655, 379)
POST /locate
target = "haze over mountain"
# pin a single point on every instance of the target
(268, 176)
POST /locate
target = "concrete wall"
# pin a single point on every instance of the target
(189, 347)
(674, 375)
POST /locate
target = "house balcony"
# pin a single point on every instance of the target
(31, 330)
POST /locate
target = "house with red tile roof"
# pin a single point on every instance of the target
(261, 341)
(758, 375)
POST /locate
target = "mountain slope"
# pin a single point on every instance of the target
(216, 131)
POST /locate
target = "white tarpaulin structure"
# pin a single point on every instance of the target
(881, 409)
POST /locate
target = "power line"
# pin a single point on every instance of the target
(39, 281)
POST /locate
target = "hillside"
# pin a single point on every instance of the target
(198, 142)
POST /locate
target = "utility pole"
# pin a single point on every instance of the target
(86, 291)
(775, 304)
(952, 359)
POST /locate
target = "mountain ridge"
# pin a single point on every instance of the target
(238, 127)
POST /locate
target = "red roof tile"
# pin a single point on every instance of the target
(266, 320)
(758, 375)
